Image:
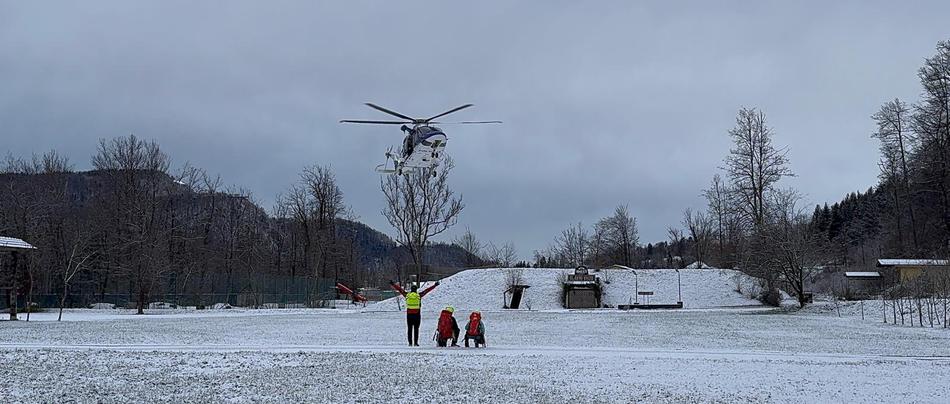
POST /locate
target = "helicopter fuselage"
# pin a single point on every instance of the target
(423, 147)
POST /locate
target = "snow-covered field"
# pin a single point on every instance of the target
(749, 354)
(709, 354)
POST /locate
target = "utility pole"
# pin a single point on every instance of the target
(679, 288)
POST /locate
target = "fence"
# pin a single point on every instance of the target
(250, 300)
(322, 297)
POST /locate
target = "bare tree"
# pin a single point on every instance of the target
(210, 210)
(572, 245)
(897, 140)
(279, 233)
(786, 248)
(617, 235)
(675, 237)
(420, 206)
(470, 243)
(235, 230)
(699, 226)
(503, 256)
(717, 198)
(137, 172)
(299, 206)
(754, 165)
(327, 206)
(51, 162)
(931, 124)
(77, 260)
(601, 252)
(32, 203)
(514, 276)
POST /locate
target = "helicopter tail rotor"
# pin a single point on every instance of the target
(385, 167)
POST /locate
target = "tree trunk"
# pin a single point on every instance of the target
(13, 289)
(11, 297)
(29, 295)
(140, 307)
(944, 311)
(906, 188)
(62, 301)
(419, 267)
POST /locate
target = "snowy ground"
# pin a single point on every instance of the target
(693, 355)
(723, 347)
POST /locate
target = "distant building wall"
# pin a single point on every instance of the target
(581, 299)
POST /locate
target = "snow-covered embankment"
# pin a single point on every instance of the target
(482, 289)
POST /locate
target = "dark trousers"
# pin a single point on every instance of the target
(413, 320)
(445, 341)
(478, 339)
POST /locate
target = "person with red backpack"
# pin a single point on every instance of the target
(447, 328)
(475, 329)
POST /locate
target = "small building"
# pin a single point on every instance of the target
(14, 247)
(862, 284)
(910, 269)
(582, 290)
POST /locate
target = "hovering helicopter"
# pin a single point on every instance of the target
(423, 145)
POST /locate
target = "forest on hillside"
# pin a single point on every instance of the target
(133, 231)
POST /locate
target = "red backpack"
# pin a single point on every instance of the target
(445, 324)
(473, 321)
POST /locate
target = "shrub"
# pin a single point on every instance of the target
(771, 297)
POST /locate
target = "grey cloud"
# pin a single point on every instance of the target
(604, 103)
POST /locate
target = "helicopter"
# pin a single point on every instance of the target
(424, 144)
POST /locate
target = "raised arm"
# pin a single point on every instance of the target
(429, 289)
(398, 288)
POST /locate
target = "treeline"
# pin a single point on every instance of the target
(612, 240)
(749, 223)
(907, 215)
(753, 224)
(134, 227)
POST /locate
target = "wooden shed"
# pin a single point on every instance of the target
(910, 269)
(12, 247)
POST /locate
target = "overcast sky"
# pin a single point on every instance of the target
(604, 103)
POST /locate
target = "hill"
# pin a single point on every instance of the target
(83, 187)
(375, 245)
(481, 289)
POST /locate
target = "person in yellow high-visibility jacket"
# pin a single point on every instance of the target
(413, 309)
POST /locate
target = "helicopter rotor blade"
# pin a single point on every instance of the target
(449, 112)
(463, 122)
(393, 113)
(374, 122)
